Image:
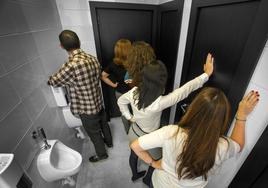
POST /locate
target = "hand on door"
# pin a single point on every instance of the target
(208, 66)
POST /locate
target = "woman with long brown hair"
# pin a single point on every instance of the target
(147, 101)
(197, 145)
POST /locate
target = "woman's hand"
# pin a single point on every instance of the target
(115, 85)
(208, 66)
(247, 104)
(157, 164)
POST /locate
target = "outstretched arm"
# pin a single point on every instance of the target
(183, 92)
(246, 106)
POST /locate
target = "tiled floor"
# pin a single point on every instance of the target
(113, 172)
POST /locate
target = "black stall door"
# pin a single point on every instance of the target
(158, 25)
(113, 21)
(235, 32)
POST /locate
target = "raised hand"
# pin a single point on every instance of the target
(247, 104)
(208, 66)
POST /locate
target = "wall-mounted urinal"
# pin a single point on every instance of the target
(71, 120)
(58, 162)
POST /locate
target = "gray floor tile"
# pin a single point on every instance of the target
(113, 172)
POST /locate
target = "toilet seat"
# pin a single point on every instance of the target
(58, 162)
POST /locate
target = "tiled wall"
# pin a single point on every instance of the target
(29, 53)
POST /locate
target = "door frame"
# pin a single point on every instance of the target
(125, 6)
(175, 5)
(252, 50)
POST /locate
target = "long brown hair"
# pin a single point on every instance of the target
(140, 54)
(205, 121)
(121, 50)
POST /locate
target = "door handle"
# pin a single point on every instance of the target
(184, 107)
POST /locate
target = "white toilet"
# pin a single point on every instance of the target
(58, 162)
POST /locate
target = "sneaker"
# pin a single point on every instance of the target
(95, 158)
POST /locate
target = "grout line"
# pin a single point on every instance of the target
(26, 32)
(29, 128)
(19, 66)
(4, 117)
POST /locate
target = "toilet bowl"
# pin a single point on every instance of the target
(58, 162)
(72, 121)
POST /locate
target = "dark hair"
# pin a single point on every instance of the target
(205, 121)
(154, 78)
(141, 53)
(69, 40)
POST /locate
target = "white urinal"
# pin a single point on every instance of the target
(58, 162)
(73, 121)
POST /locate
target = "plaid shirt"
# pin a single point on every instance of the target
(82, 74)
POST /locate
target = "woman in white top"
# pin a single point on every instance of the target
(194, 148)
(147, 103)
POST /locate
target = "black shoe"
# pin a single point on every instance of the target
(139, 175)
(109, 145)
(146, 181)
(95, 158)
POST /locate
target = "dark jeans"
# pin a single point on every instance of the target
(98, 131)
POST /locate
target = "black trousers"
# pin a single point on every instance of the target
(98, 131)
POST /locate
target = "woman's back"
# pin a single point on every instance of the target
(148, 118)
(172, 138)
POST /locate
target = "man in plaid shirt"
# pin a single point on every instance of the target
(81, 74)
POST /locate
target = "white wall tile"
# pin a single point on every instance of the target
(260, 76)
(227, 171)
(260, 113)
(89, 47)
(71, 4)
(163, 1)
(75, 18)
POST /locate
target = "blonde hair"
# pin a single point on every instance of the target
(121, 49)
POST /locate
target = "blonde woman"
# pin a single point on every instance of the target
(114, 73)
